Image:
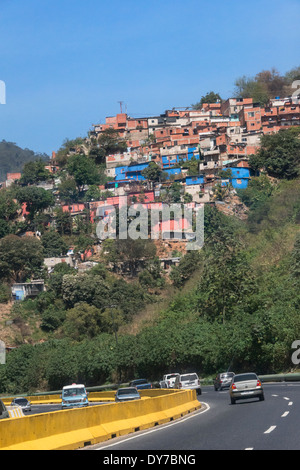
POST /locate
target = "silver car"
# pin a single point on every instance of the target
(23, 403)
(127, 394)
(244, 386)
(223, 380)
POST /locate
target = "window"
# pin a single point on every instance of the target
(251, 114)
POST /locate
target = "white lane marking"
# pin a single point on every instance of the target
(290, 403)
(175, 423)
(274, 395)
(285, 414)
(271, 428)
(285, 398)
(249, 448)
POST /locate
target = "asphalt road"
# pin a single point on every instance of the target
(248, 425)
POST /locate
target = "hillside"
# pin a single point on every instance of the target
(13, 158)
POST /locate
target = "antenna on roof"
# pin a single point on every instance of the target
(121, 109)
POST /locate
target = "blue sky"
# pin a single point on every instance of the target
(66, 64)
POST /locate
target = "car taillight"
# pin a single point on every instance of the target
(258, 383)
(233, 387)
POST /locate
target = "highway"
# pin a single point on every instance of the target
(248, 425)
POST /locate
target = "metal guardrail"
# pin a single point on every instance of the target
(291, 377)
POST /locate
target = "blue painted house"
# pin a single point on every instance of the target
(239, 177)
(190, 180)
(168, 161)
(130, 172)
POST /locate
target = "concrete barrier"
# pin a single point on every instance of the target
(15, 412)
(76, 428)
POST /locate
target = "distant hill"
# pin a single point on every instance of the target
(13, 158)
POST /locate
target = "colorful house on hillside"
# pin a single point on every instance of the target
(169, 161)
(130, 172)
(239, 177)
(191, 180)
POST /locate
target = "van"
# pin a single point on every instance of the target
(188, 381)
(74, 395)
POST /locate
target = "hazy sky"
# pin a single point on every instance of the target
(66, 64)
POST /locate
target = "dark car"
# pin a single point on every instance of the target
(244, 386)
(127, 394)
(223, 380)
(3, 411)
(22, 402)
(140, 384)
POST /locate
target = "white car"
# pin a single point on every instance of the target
(188, 381)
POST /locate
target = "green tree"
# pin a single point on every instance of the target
(63, 221)
(82, 321)
(210, 97)
(36, 199)
(83, 170)
(20, 258)
(68, 191)
(279, 154)
(153, 172)
(250, 88)
(295, 261)
(35, 172)
(8, 206)
(108, 142)
(53, 244)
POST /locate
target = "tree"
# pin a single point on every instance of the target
(295, 261)
(63, 222)
(83, 170)
(130, 252)
(8, 206)
(53, 244)
(20, 258)
(107, 143)
(153, 172)
(68, 191)
(34, 172)
(36, 199)
(210, 97)
(279, 154)
(83, 321)
(63, 153)
(249, 88)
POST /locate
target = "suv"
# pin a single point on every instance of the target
(3, 411)
(223, 380)
(188, 381)
(245, 385)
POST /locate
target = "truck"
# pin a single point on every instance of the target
(168, 380)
